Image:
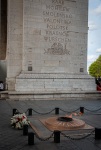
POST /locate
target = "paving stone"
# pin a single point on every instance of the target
(12, 139)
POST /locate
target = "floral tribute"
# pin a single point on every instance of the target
(18, 120)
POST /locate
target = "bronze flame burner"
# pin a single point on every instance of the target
(63, 123)
(65, 119)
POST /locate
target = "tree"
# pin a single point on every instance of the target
(95, 68)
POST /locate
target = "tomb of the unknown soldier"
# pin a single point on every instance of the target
(46, 52)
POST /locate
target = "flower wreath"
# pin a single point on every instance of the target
(18, 120)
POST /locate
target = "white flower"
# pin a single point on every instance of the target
(19, 120)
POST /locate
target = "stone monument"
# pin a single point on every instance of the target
(47, 48)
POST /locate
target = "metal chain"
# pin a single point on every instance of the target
(70, 111)
(37, 112)
(92, 110)
(43, 113)
(26, 111)
(60, 109)
(43, 139)
(80, 138)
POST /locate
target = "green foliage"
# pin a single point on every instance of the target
(95, 68)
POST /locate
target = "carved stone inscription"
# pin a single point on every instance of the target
(57, 18)
(54, 28)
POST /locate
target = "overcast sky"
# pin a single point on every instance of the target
(94, 32)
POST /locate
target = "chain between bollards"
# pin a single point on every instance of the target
(29, 110)
(57, 134)
(69, 111)
(83, 136)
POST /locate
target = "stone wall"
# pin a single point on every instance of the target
(14, 41)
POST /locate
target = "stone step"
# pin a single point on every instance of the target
(42, 95)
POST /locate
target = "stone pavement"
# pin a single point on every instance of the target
(12, 139)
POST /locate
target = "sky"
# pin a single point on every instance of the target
(94, 32)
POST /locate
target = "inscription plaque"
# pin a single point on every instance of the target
(53, 28)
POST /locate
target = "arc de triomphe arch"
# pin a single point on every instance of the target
(47, 47)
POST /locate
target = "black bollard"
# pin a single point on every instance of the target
(82, 110)
(56, 111)
(56, 136)
(97, 133)
(30, 111)
(30, 138)
(14, 111)
(25, 129)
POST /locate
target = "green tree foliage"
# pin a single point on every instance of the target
(95, 68)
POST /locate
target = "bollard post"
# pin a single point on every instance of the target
(56, 111)
(25, 129)
(14, 111)
(30, 111)
(30, 138)
(56, 136)
(82, 110)
(97, 133)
